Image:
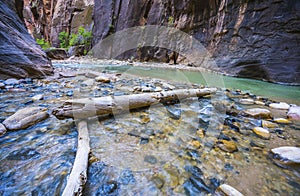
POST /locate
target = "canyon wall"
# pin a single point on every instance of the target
(247, 38)
(20, 56)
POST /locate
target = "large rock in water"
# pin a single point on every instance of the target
(255, 39)
(20, 56)
(25, 118)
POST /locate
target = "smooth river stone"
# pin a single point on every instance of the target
(280, 106)
(261, 132)
(258, 113)
(247, 101)
(282, 121)
(227, 146)
(38, 97)
(2, 129)
(268, 124)
(294, 113)
(288, 153)
(227, 190)
(26, 117)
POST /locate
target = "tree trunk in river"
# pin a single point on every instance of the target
(78, 175)
(89, 107)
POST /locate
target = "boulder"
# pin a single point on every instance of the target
(227, 190)
(258, 113)
(24, 118)
(287, 154)
(57, 53)
(76, 51)
(294, 113)
(20, 55)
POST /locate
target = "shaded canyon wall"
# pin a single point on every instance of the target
(247, 38)
(20, 56)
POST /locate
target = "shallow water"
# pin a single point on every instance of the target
(160, 150)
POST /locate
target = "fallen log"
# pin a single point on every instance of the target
(89, 107)
(78, 176)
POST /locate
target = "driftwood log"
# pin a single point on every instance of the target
(78, 176)
(90, 107)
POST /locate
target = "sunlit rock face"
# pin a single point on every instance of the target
(20, 56)
(255, 39)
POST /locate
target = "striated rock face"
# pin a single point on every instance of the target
(69, 15)
(20, 56)
(255, 39)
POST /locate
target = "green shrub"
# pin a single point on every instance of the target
(170, 21)
(64, 39)
(44, 44)
(83, 37)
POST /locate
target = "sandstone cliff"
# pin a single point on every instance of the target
(20, 56)
(247, 38)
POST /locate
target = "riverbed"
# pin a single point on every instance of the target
(185, 148)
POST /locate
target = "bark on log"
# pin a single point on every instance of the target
(78, 174)
(90, 107)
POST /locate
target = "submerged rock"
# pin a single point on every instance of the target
(287, 154)
(227, 146)
(280, 106)
(25, 118)
(294, 113)
(258, 113)
(11, 81)
(38, 97)
(2, 129)
(268, 124)
(262, 133)
(227, 190)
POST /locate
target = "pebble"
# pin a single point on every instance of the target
(288, 154)
(2, 129)
(258, 113)
(38, 97)
(11, 81)
(294, 113)
(227, 190)
(227, 146)
(259, 103)
(103, 79)
(2, 85)
(25, 118)
(247, 101)
(282, 121)
(150, 159)
(261, 132)
(280, 106)
(268, 124)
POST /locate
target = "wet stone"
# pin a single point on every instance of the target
(174, 111)
(227, 146)
(38, 97)
(107, 188)
(23, 154)
(25, 118)
(280, 106)
(11, 82)
(247, 101)
(294, 113)
(227, 190)
(268, 124)
(158, 181)
(2, 85)
(262, 133)
(150, 159)
(282, 121)
(287, 154)
(258, 113)
(2, 129)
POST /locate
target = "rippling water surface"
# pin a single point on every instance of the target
(160, 150)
